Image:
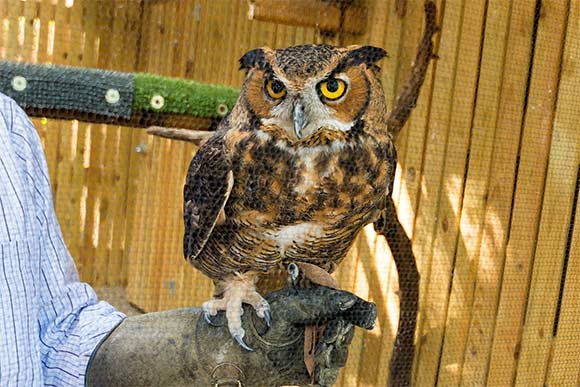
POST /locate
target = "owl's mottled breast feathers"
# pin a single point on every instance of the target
(336, 182)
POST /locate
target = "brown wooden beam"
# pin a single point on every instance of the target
(332, 16)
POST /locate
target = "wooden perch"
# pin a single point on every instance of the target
(324, 15)
(116, 98)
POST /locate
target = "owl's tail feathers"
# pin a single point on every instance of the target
(407, 98)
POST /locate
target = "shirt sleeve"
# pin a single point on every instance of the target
(54, 321)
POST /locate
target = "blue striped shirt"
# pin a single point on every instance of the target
(50, 322)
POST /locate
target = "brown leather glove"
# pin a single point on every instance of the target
(178, 348)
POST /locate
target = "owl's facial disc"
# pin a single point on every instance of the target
(305, 88)
(310, 106)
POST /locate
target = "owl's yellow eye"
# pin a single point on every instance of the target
(332, 89)
(275, 89)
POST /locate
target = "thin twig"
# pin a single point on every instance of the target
(189, 135)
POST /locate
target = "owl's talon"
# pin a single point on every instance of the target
(239, 337)
(208, 320)
(237, 291)
(294, 271)
(268, 318)
(211, 308)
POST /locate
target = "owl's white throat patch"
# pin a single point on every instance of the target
(328, 123)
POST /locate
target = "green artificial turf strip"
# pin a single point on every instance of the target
(183, 96)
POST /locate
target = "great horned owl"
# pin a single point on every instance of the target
(301, 164)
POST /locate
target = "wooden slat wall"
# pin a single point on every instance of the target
(535, 144)
(543, 336)
(88, 163)
(487, 184)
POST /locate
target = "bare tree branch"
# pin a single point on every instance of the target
(407, 99)
(401, 364)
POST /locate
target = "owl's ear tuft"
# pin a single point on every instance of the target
(253, 58)
(368, 55)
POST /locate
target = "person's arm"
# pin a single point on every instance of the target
(51, 322)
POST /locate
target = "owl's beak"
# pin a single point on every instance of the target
(298, 117)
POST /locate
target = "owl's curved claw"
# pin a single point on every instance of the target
(210, 308)
(208, 320)
(239, 337)
(294, 271)
(268, 318)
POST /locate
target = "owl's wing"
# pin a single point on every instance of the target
(207, 187)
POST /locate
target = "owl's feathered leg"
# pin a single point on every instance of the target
(235, 291)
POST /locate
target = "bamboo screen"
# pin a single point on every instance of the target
(486, 185)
